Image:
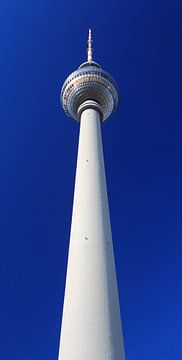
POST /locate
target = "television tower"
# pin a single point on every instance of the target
(91, 325)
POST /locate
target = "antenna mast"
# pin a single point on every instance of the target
(90, 49)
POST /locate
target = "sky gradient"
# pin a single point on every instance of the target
(139, 44)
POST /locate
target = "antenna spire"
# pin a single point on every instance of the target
(89, 49)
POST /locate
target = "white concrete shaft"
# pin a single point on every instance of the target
(91, 326)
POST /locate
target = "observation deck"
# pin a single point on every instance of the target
(89, 82)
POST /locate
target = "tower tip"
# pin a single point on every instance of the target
(89, 49)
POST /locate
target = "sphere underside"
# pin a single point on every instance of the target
(89, 83)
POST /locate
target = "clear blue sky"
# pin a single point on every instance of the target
(139, 43)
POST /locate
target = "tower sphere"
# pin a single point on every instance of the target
(89, 82)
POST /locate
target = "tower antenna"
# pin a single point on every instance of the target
(89, 49)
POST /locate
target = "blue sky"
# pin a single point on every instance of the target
(139, 43)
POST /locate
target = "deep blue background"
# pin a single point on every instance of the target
(139, 43)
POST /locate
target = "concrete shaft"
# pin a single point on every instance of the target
(91, 325)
